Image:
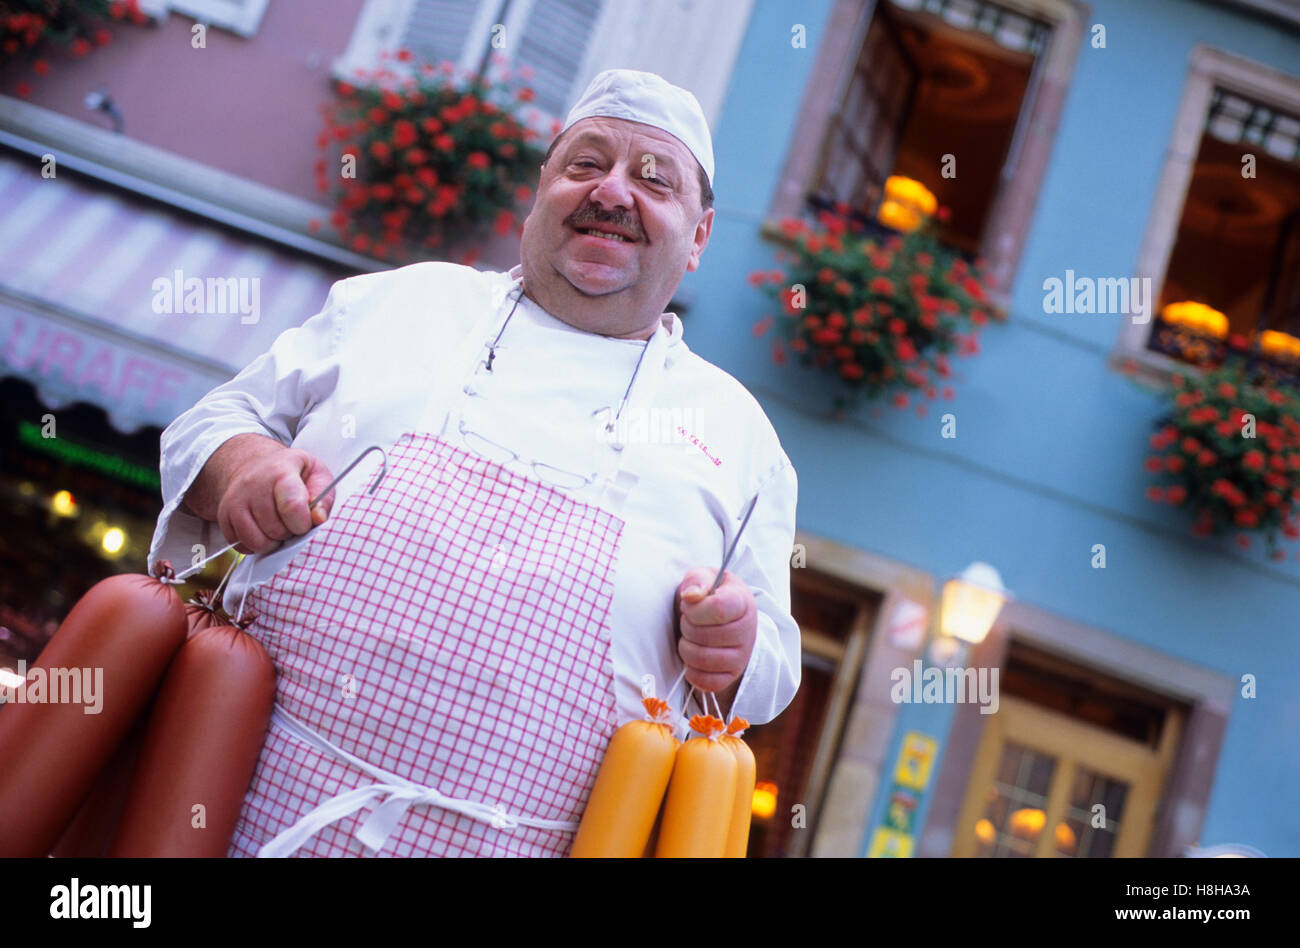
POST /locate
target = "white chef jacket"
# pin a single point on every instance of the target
(358, 374)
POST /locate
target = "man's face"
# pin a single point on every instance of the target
(613, 177)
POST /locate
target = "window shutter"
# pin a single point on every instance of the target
(436, 30)
(864, 134)
(554, 44)
(239, 16)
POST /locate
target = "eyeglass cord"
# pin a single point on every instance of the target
(492, 352)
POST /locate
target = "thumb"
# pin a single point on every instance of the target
(695, 586)
(317, 477)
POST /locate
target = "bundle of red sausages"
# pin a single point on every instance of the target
(657, 795)
(162, 768)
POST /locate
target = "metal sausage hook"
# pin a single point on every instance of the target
(735, 541)
(383, 471)
(168, 575)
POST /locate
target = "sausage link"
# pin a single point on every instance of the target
(125, 628)
(202, 745)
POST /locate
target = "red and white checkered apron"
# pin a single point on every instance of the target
(452, 630)
(444, 678)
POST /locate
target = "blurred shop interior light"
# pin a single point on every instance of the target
(1196, 316)
(114, 539)
(1028, 821)
(907, 203)
(764, 799)
(64, 504)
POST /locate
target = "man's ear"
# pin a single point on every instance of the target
(702, 231)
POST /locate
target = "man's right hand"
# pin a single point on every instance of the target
(261, 489)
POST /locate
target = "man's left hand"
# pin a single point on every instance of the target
(717, 631)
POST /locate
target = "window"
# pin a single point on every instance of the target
(1237, 246)
(563, 42)
(1113, 723)
(934, 78)
(1219, 238)
(238, 16)
(1066, 740)
(907, 82)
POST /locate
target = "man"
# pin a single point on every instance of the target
(469, 621)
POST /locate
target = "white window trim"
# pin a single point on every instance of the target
(155, 9)
(243, 19)
(377, 28)
(700, 60)
(1210, 67)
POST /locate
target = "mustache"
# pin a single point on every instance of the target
(591, 216)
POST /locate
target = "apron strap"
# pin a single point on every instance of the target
(399, 796)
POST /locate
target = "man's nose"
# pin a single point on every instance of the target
(614, 190)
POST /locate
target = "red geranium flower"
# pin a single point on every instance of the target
(404, 134)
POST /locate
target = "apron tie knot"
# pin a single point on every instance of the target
(398, 796)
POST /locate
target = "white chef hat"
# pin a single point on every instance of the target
(651, 100)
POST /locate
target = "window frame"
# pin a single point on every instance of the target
(1180, 813)
(1011, 213)
(1074, 745)
(851, 764)
(243, 19)
(1209, 68)
(615, 41)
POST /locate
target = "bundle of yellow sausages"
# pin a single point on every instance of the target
(655, 795)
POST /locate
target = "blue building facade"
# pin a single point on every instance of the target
(1048, 458)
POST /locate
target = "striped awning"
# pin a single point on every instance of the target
(126, 304)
